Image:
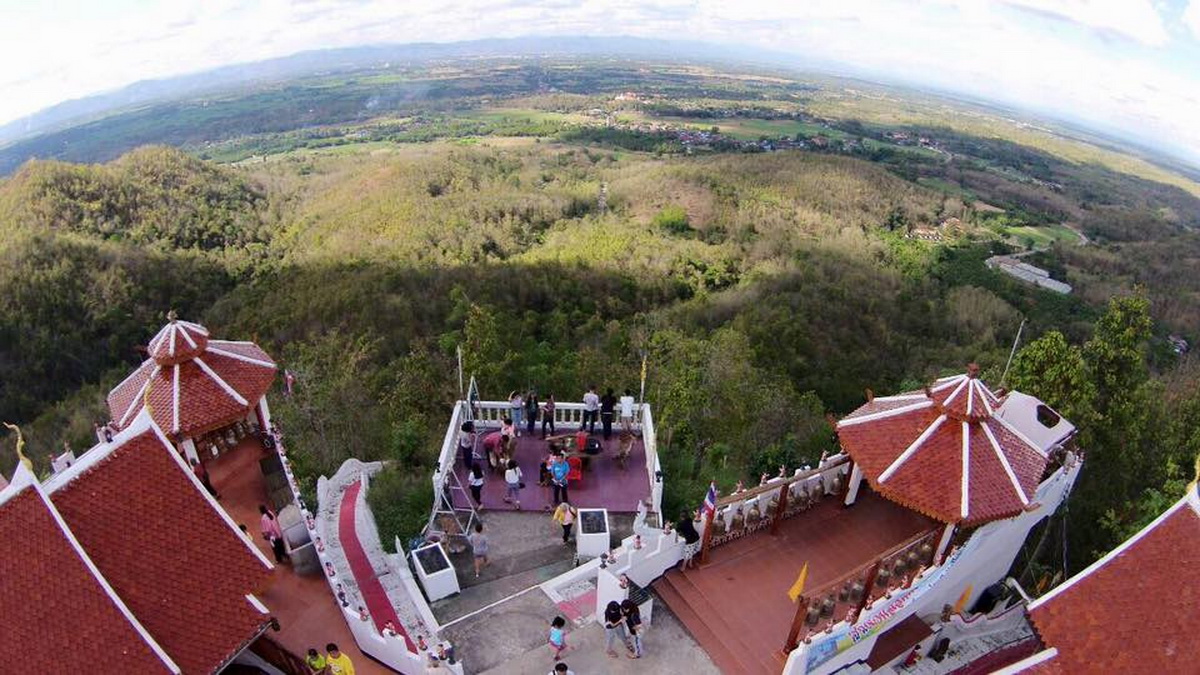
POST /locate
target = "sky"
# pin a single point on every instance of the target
(1130, 67)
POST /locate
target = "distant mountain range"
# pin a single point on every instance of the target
(77, 111)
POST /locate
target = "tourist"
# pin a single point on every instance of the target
(633, 621)
(201, 474)
(565, 515)
(691, 539)
(289, 381)
(476, 482)
(272, 533)
(614, 627)
(561, 669)
(495, 444)
(531, 411)
(516, 406)
(627, 411)
(591, 408)
(558, 637)
(608, 407)
(581, 439)
(545, 478)
(512, 477)
(466, 443)
(339, 663)
(316, 662)
(507, 428)
(548, 415)
(560, 469)
(479, 548)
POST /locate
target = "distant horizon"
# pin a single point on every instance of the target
(1126, 68)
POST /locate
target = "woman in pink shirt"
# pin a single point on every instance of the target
(272, 533)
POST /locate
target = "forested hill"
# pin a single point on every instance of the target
(765, 289)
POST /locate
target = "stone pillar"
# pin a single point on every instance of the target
(189, 450)
(264, 414)
(856, 478)
(943, 543)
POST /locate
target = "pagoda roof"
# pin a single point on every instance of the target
(1134, 610)
(191, 383)
(166, 548)
(48, 582)
(945, 452)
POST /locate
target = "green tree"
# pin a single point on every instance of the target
(1056, 373)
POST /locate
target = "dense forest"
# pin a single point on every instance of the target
(767, 290)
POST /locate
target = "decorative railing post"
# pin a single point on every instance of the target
(793, 638)
(780, 507)
(868, 587)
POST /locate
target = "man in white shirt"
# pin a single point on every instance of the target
(626, 404)
(591, 408)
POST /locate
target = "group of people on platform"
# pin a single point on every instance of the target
(495, 452)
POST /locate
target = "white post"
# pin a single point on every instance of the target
(189, 450)
(856, 478)
(264, 414)
(943, 543)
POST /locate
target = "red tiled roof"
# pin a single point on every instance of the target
(193, 384)
(57, 615)
(177, 342)
(1133, 611)
(167, 551)
(914, 449)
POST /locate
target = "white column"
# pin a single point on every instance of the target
(264, 414)
(856, 478)
(943, 543)
(189, 449)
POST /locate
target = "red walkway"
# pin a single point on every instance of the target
(372, 591)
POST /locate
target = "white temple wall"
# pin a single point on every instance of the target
(983, 560)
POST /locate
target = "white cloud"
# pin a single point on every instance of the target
(1191, 18)
(1053, 55)
(1135, 19)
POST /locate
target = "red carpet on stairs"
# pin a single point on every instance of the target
(368, 584)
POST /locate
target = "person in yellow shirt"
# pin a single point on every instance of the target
(338, 663)
(316, 662)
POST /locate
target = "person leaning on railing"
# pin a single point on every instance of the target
(686, 528)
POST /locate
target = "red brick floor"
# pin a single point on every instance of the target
(307, 611)
(746, 581)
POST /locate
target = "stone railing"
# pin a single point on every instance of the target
(757, 508)
(847, 596)
(391, 570)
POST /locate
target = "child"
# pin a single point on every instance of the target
(558, 637)
(476, 483)
(479, 547)
(512, 476)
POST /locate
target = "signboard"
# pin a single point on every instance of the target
(844, 637)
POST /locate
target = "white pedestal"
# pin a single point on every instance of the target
(591, 535)
(435, 571)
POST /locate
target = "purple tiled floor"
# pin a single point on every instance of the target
(604, 484)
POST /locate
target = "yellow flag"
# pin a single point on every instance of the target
(962, 599)
(798, 587)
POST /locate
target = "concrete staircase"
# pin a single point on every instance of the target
(734, 649)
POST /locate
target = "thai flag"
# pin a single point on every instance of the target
(710, 501)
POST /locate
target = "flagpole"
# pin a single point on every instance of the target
(458, 351)
(709, 515)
